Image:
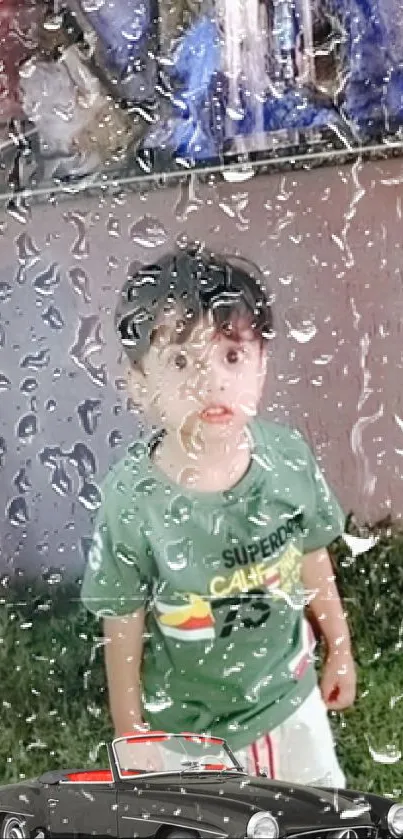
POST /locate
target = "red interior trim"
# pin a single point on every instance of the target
(161, 736)
(100, 775)
(214, 767)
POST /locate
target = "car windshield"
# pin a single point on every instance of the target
(172, 753)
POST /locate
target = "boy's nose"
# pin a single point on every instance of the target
(209, 381)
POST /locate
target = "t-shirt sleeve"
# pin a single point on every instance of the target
(324, 520)
(118, 574)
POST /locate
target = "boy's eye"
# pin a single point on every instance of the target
(180, 360)
(233, 356)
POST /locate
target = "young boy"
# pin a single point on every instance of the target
(211, 539)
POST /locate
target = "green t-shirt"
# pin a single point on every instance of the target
(226, 647)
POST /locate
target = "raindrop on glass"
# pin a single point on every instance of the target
(113, 226)
(46, 282)
(148, 232)
(61, 481)
(6, 291)
(50, 456)
(27, 252)
(179, 511)
(146, 487)
(22, 482)
(3, 450)
(115, 438)
(81, 284)
(83, 459)
(90, 496)
(179, 554)
(88, 341)
(53, 318)
(80, 247)
(5, 382)
(36, 361)
(27, 427)
(89, 413)
(28, 386)
(17, 511)
(301, 325)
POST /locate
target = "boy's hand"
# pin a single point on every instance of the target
(339, 681)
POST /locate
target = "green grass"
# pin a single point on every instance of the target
(52, 690)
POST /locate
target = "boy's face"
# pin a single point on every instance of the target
(208, 384)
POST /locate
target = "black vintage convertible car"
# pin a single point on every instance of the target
(170, 786)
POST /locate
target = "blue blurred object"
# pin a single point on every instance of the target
(124, 28)
(373, 60)
(200, 127)
(371, 102)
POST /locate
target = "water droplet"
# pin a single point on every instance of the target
(389, 755)
(89, 413)
(158, 703)
(148, 232)
(6, 291)
(88, 341)
(80, 282)
(46, 282)
(323, 359)
(3, 450)
(179, 554)
(52, 576)
(17, 511)
(18, 210)
(146, 487)
(61, 481)
(113, 226)
(179, 511)
(53, 23)
(83, 459)
(5, 382)
(80, 247)
(21, 276)
(301, 325)
(50, 456)
(28, 386)
(138, 451)
(36, 361)
(27, 427)
(115, 438)
(53, 318)
(92, 5)
(126, 555)
(90, 496)
(22, 482)
(27, 252)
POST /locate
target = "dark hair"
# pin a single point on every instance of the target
(193, 282)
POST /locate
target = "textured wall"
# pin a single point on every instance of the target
(330, 243)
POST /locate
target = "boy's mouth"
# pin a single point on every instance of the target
(216, 414)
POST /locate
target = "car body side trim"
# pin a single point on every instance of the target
(175, 824)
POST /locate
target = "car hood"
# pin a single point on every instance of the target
(297, 808)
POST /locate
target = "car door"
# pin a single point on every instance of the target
(146, 805)
(83, 809)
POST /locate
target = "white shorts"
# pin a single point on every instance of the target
(301, 750)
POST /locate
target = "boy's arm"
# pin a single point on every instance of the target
(123, 656)
(338, 683)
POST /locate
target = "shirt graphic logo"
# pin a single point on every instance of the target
(192, 621)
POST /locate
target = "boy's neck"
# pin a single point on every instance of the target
(215, 466)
